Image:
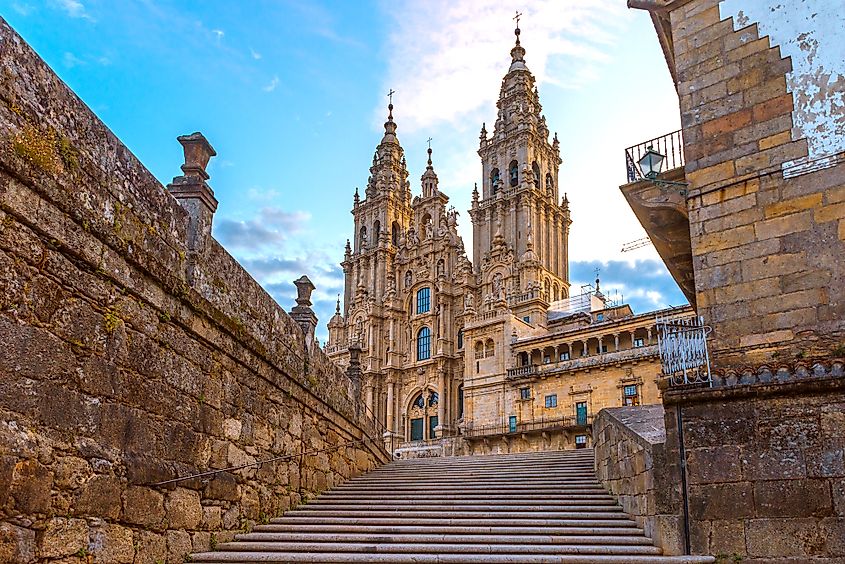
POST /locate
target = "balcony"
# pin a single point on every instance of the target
(662, 209)
(582, 362)
(569, 422)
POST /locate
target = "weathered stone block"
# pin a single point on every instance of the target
(785, 537)
(31, 485)
(178, 546)
(112, 543)
(183, 509)
(143, 506)
(16, 544)
(793, 498)
(714, 465)
(63, 537)
(99, 497)
(714, 501)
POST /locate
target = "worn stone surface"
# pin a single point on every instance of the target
(774, 490)
(136, 350)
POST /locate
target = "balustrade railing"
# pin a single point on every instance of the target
(670, 145)
(532, 426)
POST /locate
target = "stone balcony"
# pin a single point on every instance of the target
(580, 363)
(542, 425)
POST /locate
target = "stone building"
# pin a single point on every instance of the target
(449, 347)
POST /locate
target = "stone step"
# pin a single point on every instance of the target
(491, 558)
(520, 502)
(465, 513)
(552, 530)
(386, 535)
(551, 496)
(436, 548)
(514, 485)
(522, 521)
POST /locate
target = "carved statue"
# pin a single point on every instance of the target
(469, 302)
(497, 285)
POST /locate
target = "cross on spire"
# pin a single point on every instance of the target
(429, 142)
(516, 17)
(390, 95)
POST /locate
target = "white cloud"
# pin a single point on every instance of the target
(459, 49)
(254, 54)
(218, 34)
(272, 85)
(74, 9)
(70, 60)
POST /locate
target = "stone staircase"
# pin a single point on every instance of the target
(532, 507)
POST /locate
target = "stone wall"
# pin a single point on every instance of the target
(131, 356)
(762, 116)
(631, 463)
(765, 465)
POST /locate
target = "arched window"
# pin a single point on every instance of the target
(548, 288)
(419, 401)
(550, 185)
(433, 399)
(538, 182)
(376, 232)
(395, 234)
(555, 291)
(489, 348)
(479, 349)
(424, 344)
(514, 173)
(424, 300)
(494, 181)
(460, 339)
(362, 238)
(523, 359)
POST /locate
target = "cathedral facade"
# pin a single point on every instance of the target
(440, 336)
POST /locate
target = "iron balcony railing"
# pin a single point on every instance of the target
(533, 426)
(683, 350)
(670, 145)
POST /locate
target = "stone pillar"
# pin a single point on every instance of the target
(601, 343)
(441, 400)
(391, 405)
(195, 196)
(649, 335)
(302, 312)
(585, 347)
(369, 401)
(616, 341)
(354, 373)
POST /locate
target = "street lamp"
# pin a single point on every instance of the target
(650, 164)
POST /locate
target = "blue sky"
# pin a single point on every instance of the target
(292, 95)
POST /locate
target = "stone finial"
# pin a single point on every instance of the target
(304, 287)
(302, 312)
(198, 151)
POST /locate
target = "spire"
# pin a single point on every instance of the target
(517, 53)
(337, 308)
(429, 177)
(390, 126)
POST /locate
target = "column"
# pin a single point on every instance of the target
(369, 401)
(441, 401)
(390, 405)
(585, 346)
(649, 335)
(601, 342)
(616, 341)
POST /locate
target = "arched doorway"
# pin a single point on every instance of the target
(422, 416)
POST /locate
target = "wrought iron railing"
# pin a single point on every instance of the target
(535, 425)
(670, 145)
(682, 342)
(522, 371)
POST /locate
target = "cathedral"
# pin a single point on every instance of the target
(438, 333)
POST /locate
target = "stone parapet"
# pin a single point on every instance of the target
(122, 367)
(631, 463)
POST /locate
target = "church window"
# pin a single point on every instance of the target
(376, 232)
(494, 181)
(419, 402)
(550, 185)
(433, 398)
(489, 348)
(395, 234)
(548, 287)
(479, 349)
(538, 181)
(525, 393)
(555, 292)
(460, 339)
(424, 344)
(551, 400)
(630, 395)
(514, 173)
(423, 300)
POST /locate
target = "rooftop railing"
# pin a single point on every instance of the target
(670, 145)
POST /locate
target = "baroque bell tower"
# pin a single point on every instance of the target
(520, 223)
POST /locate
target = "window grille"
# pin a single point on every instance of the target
(630, 395)
(682, 343)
